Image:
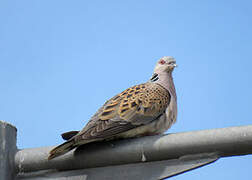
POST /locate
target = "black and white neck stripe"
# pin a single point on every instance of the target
(154, 77)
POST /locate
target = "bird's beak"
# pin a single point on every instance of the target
(175, 65)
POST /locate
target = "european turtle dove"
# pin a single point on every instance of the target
(146, 109)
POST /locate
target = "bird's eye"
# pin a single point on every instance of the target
(162, 61)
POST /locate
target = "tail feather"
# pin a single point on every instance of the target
(68, 135)
(61, 149)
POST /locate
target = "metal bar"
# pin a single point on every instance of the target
(7, 150)
(225, 142)
(148, 170)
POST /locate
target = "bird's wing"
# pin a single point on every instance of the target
(136, 106)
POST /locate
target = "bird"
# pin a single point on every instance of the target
(146, 109)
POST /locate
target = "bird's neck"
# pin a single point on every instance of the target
(165, 79)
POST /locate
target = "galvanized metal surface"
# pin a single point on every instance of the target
(7, 151)
(140, 171)
(224, 142)
(147, 158)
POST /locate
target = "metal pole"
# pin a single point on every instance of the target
(223, 142)
(7, 151)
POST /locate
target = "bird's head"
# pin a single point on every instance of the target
(165, 64)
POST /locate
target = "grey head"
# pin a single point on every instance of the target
(163, 68)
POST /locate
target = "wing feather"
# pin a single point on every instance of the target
(136, 106)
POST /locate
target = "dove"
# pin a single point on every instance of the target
(142, 110)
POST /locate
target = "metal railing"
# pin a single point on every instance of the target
(151, 157)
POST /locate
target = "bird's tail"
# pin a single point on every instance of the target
(61, 149)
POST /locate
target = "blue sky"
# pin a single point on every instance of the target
(61, 60)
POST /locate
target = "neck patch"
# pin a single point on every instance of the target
(154, 77)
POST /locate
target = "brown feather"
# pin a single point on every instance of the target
(61, 149)
(126, 111)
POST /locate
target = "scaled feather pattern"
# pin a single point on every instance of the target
(146, 109)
